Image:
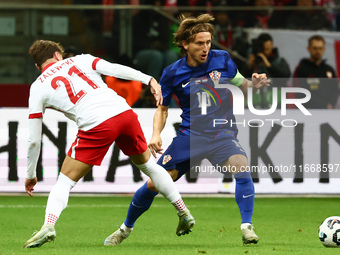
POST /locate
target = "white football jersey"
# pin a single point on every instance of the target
(75, 87)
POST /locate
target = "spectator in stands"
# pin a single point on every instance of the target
(112, 24)
(264, 58)
(235, 39)
(307, 19)
(70, 51)
(330, 12)
(130, 90)
(195, 3)
(151, 45)
(259, 18)
(223, 29)
(278, 17)
(318, 77)
(238, 18)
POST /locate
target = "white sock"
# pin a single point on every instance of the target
(161, 179)
(125, 228)
(58, 198)
(245, 225)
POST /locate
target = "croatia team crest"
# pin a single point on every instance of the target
(166, 159)
(215, 77)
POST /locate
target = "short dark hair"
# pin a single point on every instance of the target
(41, 50)
(316, 38)
(264, 37)
(70, 51)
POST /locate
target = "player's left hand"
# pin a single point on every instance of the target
(156, 91)
(29, 185)
(260, 80)
(155, 145)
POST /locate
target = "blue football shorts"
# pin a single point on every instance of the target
(187, 151)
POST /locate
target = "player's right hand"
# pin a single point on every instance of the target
(156, 91)
(29, 185)
(155, 145)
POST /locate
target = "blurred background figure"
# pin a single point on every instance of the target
(331, 13)
(70, 51)
(130, 90)
(259, 18)
(319, 77)
(112, 23)
(278, 17)
(264, 58)
(234, 39)
(151, 45)
(307, 19)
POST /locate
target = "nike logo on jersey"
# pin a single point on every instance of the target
(247, 196)
(184, 85)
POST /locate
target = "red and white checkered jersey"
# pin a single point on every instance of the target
(75, 87)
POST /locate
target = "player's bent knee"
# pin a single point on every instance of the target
(139, 159)
(237, 163)
(74, 169)
(239, 168)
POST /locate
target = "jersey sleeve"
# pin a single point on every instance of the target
(36, 110)
(237, 80)
(167, 89)
(119, 71)
(35, 104)
(34, 143)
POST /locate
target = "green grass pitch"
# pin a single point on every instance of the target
(284, 225)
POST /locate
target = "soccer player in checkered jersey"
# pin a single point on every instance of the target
(197, 138)
(74, 86)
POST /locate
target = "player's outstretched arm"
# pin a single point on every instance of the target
(159, 121)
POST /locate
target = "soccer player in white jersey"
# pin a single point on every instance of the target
(74, 86)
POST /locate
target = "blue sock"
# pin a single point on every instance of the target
(140, 203)
(245, 195)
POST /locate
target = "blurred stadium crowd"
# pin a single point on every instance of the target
(152, 46)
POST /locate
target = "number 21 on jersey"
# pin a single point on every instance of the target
(74, 97)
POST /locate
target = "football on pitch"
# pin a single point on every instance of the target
(329, 232)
